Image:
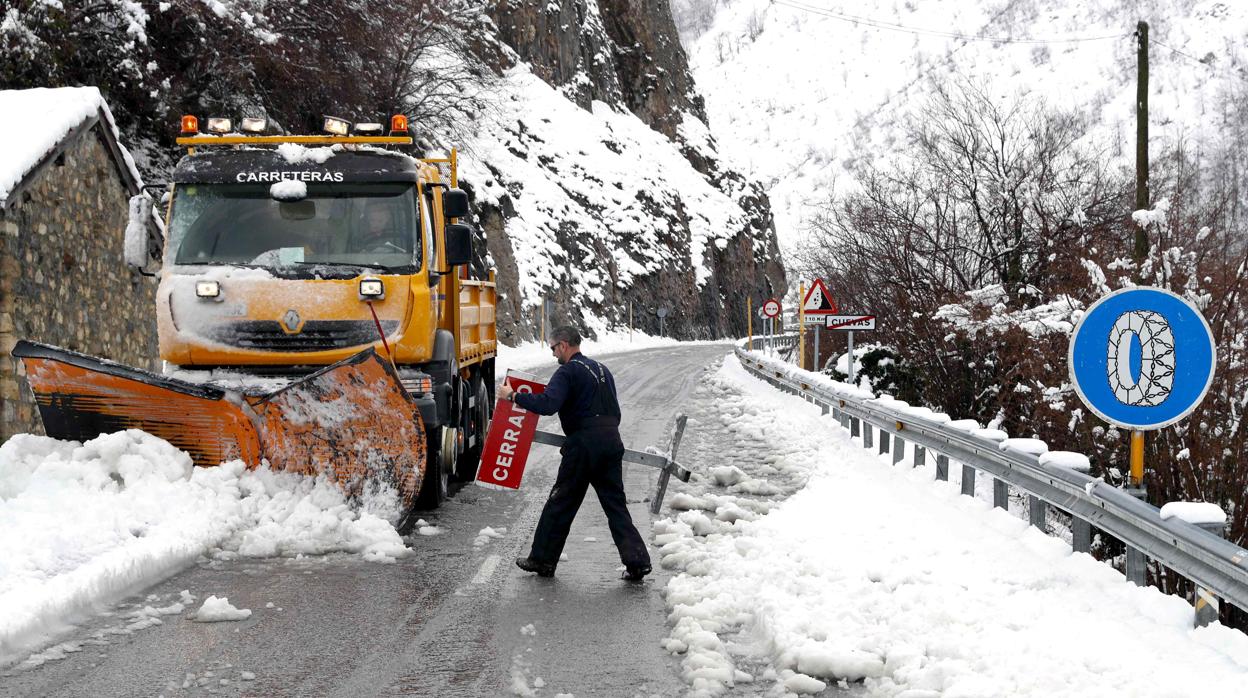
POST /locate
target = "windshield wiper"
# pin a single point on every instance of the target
(366, 265)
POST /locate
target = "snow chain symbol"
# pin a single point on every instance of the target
(1156, 359)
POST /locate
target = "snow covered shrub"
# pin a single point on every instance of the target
(981, 244)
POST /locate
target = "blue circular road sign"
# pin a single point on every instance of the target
(1142, 358)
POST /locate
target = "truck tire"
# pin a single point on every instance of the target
(478, 425)
(437, 482)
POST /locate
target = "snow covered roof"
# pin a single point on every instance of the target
(34, 128)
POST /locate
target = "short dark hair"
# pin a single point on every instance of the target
(565, 333)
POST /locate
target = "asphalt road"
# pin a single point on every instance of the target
(453, 619)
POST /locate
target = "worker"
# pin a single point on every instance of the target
(582, 391)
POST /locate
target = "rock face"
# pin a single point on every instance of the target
(694, 236)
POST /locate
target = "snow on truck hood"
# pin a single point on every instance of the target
(141, 512)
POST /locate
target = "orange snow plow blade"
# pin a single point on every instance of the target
(352, 421)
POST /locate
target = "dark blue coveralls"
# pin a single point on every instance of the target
(582, 391)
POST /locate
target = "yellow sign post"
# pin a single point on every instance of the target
(1137, 458)
(749, 322)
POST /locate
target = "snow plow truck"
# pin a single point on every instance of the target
(317, 311)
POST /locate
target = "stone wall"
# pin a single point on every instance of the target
(63, 278)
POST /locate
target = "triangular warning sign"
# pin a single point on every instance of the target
(818, 301)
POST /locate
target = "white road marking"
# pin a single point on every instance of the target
(487, 570)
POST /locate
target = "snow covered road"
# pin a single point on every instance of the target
(876, 573)
(451, 617)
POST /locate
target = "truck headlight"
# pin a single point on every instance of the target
(372, 289)
(208, 289)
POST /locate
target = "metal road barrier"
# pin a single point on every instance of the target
(1212, 563)
(666, 464)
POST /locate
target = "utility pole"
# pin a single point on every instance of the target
(1141, 139)
(1141, 202)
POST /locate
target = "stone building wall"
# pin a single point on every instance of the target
(63, 277)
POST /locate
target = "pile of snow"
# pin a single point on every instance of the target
(1194, 513)
(86, 524)
(879, 573)
(33, 122)
(217, 610)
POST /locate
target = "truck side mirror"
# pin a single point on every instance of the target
(144, 240)
(455, 203)
(458, 244)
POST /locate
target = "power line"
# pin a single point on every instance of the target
(894, 26)
(1189, 57)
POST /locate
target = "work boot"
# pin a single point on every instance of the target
(635, 574)
(543, 569)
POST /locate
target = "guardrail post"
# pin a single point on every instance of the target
(883, 441)
(1000, 494)
(868, 436)
(1137, 567)
(1037, 512)
(920, 455)
(855, 426)
(942, 467)
(1208, 606)
(968, 481)
(1137, 563)
(656, 504)
(1080, 535)
(899, 448)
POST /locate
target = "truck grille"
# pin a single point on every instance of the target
(317, 335)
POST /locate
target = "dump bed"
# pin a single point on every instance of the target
(472, 319)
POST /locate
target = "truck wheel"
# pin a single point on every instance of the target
(479, 422)
(437, 483)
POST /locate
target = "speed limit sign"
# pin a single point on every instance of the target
(771, 308)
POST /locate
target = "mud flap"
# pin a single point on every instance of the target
(352, 421)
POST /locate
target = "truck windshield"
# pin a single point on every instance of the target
(372, 224)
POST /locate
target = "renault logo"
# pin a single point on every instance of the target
(291, 321)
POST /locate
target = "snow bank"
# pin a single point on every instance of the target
(884, 575)
(33, 122)
(86, 524)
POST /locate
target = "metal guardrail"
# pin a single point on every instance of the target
(1212, 563)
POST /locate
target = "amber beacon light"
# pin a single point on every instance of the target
(190, 124)
(398, 123)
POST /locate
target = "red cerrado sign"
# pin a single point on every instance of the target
(511, 436)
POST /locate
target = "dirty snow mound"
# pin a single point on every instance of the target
(216, 610)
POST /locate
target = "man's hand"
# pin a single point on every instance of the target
(505, 392)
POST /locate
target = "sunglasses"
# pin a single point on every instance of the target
(555, 346)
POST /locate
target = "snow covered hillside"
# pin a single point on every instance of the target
(598, 184)
(799, 92)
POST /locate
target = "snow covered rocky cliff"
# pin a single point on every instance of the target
(598, 183)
